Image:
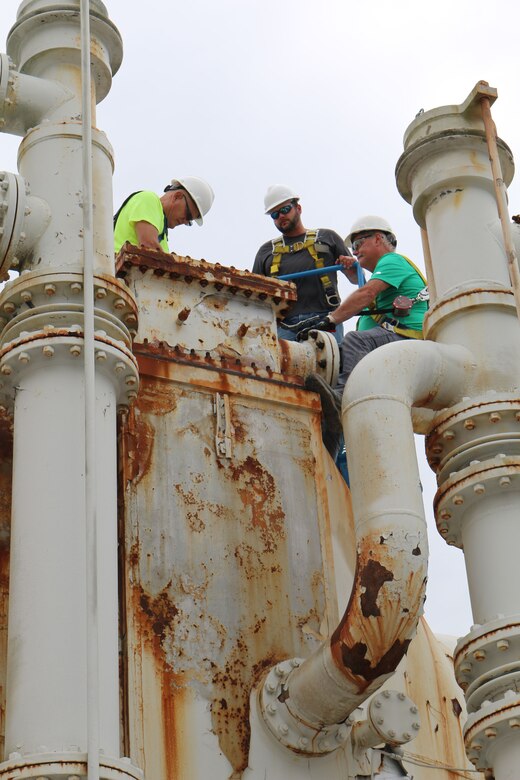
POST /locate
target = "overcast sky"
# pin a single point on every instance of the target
(315, 94)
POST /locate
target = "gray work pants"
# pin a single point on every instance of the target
(358, 343)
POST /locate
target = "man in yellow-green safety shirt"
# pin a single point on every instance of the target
(145, 218)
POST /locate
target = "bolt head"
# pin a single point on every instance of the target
(469, 424)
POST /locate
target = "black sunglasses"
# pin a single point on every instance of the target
(284, 210)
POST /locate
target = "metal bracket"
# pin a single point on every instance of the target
(224, 432)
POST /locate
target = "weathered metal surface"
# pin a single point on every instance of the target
(206, 308)
(224, 555)
(386, 601)
(426, 676)
(6, 463)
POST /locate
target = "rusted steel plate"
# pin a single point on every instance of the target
(224, 552)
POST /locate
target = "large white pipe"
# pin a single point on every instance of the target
(392, 549)
(46, 673)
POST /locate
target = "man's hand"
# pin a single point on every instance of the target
(320, 323)
(349, 267)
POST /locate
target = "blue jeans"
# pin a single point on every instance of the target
(290, 335)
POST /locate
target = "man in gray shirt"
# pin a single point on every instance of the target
(299, 249)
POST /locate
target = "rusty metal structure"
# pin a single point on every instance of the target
(203, 596)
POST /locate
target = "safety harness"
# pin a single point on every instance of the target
(312, 245)
(394, 325)
(160, 237)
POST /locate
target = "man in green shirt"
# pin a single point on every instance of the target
(373, 244)
(145, 218)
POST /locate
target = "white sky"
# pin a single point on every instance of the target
(312, 93)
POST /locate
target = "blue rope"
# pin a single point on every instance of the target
(331, 269)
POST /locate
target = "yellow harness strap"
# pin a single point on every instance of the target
(406, 332)
(310, 243)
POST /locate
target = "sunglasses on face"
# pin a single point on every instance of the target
(356, 244)
(187, 214)
(284, 210)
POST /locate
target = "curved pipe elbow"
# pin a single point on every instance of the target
(26, 100)
(392, 547)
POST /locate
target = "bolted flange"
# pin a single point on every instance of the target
(487, 661)
(493, 722)
(471, 484)
(55, 347)
(289, 730)
(66, 766)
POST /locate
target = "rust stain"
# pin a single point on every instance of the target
(372, 577)
(377, 628)
(138, 438)
(457, 709)
(260, 495)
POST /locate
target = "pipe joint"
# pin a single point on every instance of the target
(392, 719)
(26, 101)
(23, 220)
(464, 489)
(475, 429)
(487, 662)
(490, 729)
(289, 729)
(66, 765)
(45, 40)
(319, 354)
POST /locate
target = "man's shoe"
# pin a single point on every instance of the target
(331, 427)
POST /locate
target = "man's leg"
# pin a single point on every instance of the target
(358, 343)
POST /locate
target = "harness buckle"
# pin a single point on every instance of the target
(297, 246)
(332, 298)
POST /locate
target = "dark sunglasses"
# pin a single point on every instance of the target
(284, 210)
(359, 240)
(187, 214)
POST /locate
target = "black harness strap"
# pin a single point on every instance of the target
(161, 236)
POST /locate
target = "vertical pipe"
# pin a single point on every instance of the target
(501, 197)
(428, 264)
(90, 408)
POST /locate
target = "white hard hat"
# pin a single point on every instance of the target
(369, 222)
(276, 194)
(201, 193)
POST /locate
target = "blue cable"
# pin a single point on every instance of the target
(331, 269)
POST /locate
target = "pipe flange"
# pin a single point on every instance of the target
(112, 358)
(327, 355)
(13, 191)
(34, 289)
(392, 719)
(288, 730)
(485, 655)
(463, 303)
(469, 432)
(56, 766)
(56, 317)
(492, 722)
(467, 486)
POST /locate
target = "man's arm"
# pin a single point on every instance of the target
(147, 235)
(359, 299)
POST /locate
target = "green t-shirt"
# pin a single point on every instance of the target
(403, 280)
(144, 206)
